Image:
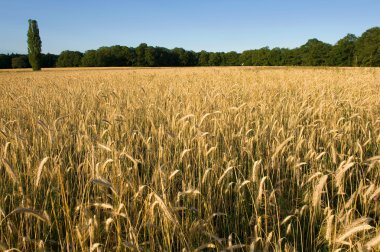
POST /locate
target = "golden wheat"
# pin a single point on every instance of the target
(190, 159)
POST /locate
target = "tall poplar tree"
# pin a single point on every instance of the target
(34, 45)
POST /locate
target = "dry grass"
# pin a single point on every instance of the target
(260, 159)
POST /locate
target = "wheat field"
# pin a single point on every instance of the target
(190, 159)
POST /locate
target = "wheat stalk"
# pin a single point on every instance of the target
(39, 170)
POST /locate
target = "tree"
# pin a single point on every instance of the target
(368, 48)
(140, 54)
(246, 58)
(34, 45)
(5, 61)
(348, 51)
(292, 57)
(182, 57)
(192, 58)
(49, 60)
(315, 53)
(203, 58)
(118, 56)
(103, 57)
(69, 59)
(231, 59)
(261, 57)
(165, 57)
(343, 52)
(150, 57)
(276, 57)
(89, 59)
(20, 62)
(130, 56)
(214, 59)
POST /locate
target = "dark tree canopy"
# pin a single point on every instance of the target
(315, 53)
(89, 58)
(231, 59)
(5, 61)
(20, 62)
(368, 48)
(203, 58)
(182, 56)
(348, 51)
(140, 55)
(34, 45)
(69, 59)
(49, 60)
(343, 52)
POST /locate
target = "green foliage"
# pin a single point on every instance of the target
(215, 59)
(143, 55)
(89, 58)
(140, 55)
(246, 58)
(315, 53)
(292, 57)
(20, 62)
(34, 45)
(231, 58)
(276, 57)
(368, 48)
(183, 57)
(130, 56)
(69, 59)
(150, 57)
(348, 51)
(343, 52)
(261, 57)
(110, 56)
(49, 60)
(5, 61)
(203, 58)
(163, 57)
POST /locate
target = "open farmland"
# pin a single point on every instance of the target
(183, 159)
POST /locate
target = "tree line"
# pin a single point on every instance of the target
(348, 51)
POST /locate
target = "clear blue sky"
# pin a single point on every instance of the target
(213, 25)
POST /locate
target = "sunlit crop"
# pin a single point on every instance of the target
(184, 159)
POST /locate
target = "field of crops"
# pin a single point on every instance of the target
(236, 159)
